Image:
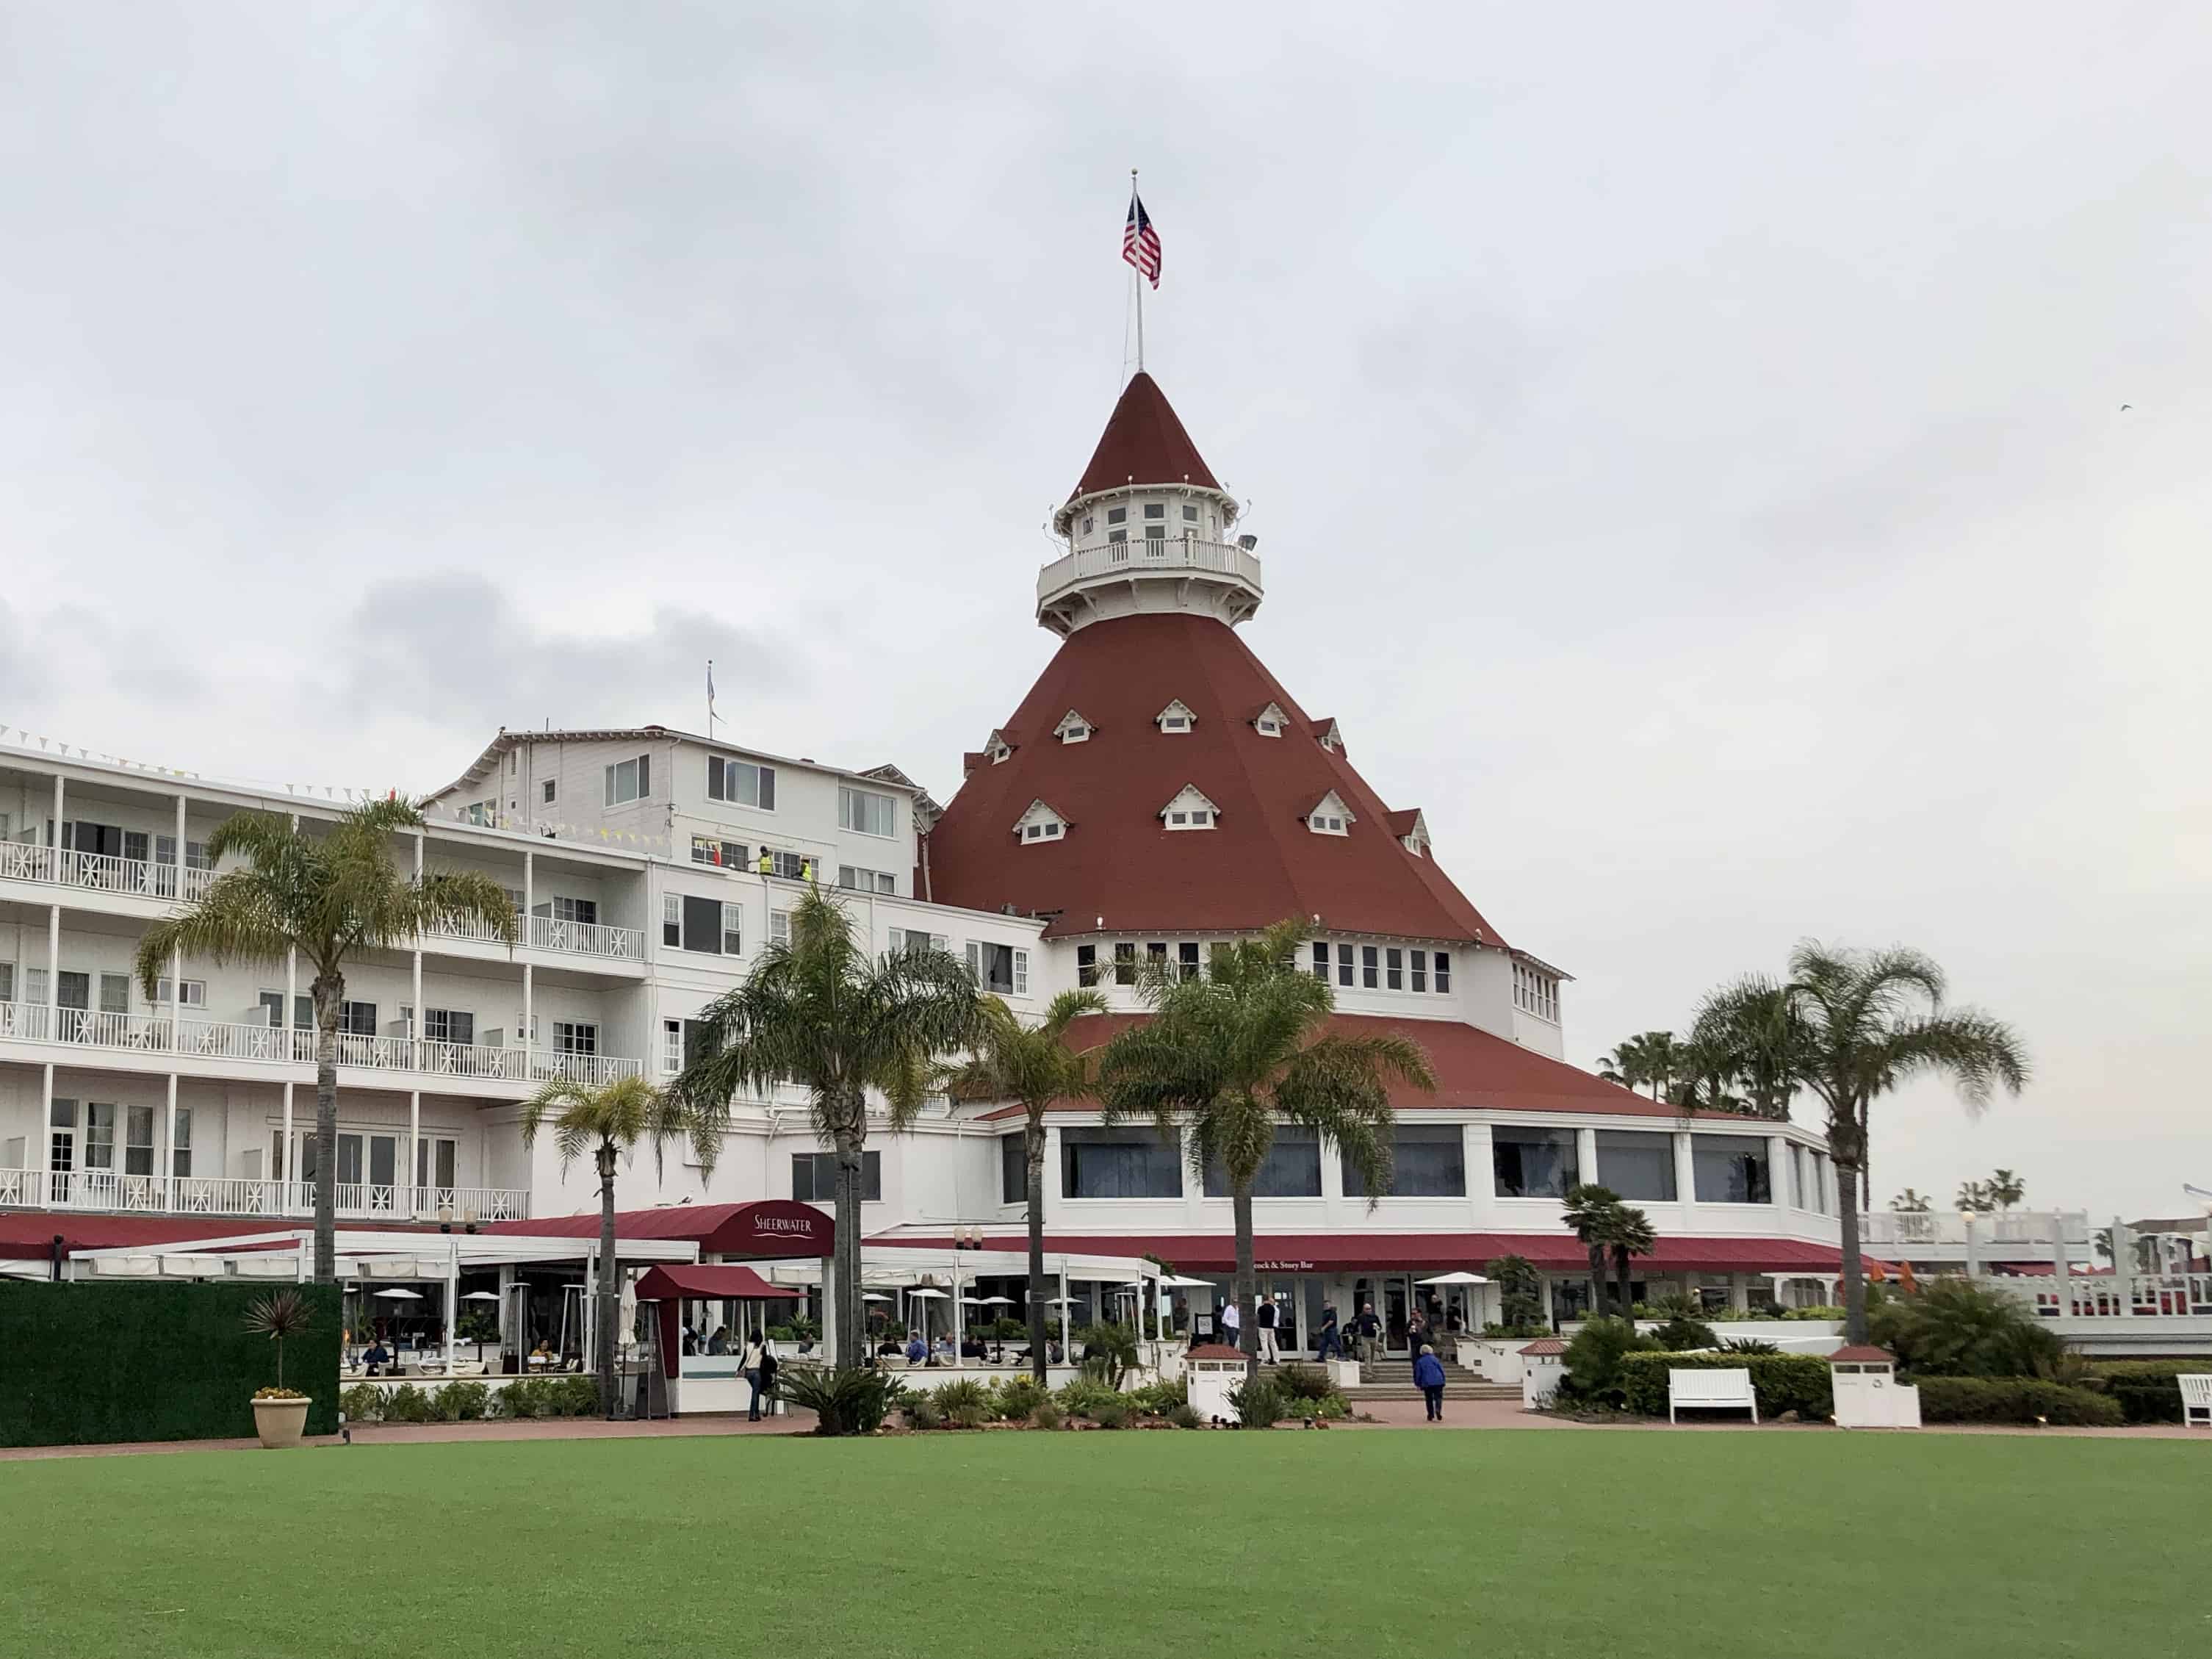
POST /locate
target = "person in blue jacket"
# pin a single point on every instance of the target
(1429, 1377)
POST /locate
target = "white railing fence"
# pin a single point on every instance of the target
(102, 872)
(1892, 1228)
(1147, 555)
(219, 1195)
(587, 938)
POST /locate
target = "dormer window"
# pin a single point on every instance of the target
(1190, 809)
(1156, 510)
(1087, 523)
(1040, 823)
(1415, 837)
(1330, 818)
(1270, 722)
(1176, 717)
(1117, 515)
(1330, 737)
(1073, 729)
(999, 749)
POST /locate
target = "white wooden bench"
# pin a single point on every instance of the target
(1714, 1390)
(2195, 1397)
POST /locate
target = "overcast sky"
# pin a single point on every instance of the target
(1688, 449)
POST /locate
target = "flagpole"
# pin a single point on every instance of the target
(1137, 272)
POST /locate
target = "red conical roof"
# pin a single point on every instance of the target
(1119, 861)
(1145, 442)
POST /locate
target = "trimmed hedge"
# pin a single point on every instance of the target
(2146, 1389)
(96, 1363)
(2015, 1400)
(1782, 1382)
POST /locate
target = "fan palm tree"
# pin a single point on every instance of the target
(1749, 1029)
(1872, 1020)
(1649, 1062)
(1705, 1078)
(607, 1120)
(1974, 1197)
(1628, 1233)
(1909, 1202)
(1590, 1215)
(330, 897)
(1227, 1056)
(822, 1012)
(1033, 1067)
(2006, 1189)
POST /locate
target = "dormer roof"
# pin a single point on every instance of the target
(1330, 738)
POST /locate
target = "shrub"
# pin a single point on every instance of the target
(1303, 1382)
(524, 1397)
(1081, 1396)
(461, 1402)
(1046, 1414)
(574, 1396)
(1010, 1330)
(1681, 1332)
(921, 1411)
(1955, 1327)
(1829, 1314)
(1515, 1333)
(407, 1404)
(1158, 1399)
(1748, 1345)
(1781, 1382)
(1185, 1415)
(2015, 1400)
(1330, 1409)
(1110, 1353)
(1111, 1413)
(967, 1403)
(1258, 1404)
(1593, 1358)
(1019, 1397)
(364, 1403)
(844, 1402)
(2146, 1390)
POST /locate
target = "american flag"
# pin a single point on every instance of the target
(1141, 243)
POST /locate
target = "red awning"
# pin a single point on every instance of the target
(670, 1281)
(766, 1227)
(1284, 1253)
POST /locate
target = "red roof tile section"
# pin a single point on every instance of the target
(1474, 1068)
(1259, 865)
(1860, 1354)
(1143, 442)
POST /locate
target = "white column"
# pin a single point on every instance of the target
(1067, 1321)
(1740, 1292)
(529, 893)
(1686, 1175)
(167, 1167)
(2124, 1268)
(46, 1134)
(176, 998)
(415, 1023)
(959, 1317)
(1782, 1178)
(290, 1173)
(1973, 1244)
(2061, 1268)
(53, 971)
(179, 865)
(414, 1141)
(529, 1024)
(453, 1297)
(1586, 1153)
(57, 826)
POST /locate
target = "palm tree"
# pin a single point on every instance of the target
(1909, 1202)
(1974, 1196)
(822, 1012)
(1705, 1079)
(608, 1121)
(1227, 1056)
(1649, 1060)
(1751, 1026)
(1033, 1067)
(1590, 1215)
(1628, 1233)
(330, 898)
(1872, 1020)
(2006, 1189)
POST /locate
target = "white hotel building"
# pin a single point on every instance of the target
(1156, 790)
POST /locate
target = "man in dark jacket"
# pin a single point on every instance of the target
(1429, 1377)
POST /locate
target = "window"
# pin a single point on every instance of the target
(1330, 818)
(1155, 532)
(180, 1146)
(994, 968)
(1047, 830)
(448, 1025)
(792, 866)
(1639, 1167)
(1343, 966)
(1321, 961)
(1176, 717)
(1189, 513)
(814, 1178)
(1013, 1169)
(866, 881)
(1119, 1163)
(1189, 809)
(779, 927)
(1418, 969)
(1156, 509)
(1532, 1163)
(99, 1136)
(707, 926)
(436, 1162)
(1041, 822)
(1088, 524)
(733, 930)
(1730, 1170)
(1073, 728)
(722, 854)
(1117, 515)
(1116, 537)
(671, 1047)
(1086, 964)
(115, 993)
(867, 813)
(550, 791)
(195, 994)
(138, 1141)
(1368, 954)
(700, 1042)
(1156, 960)
(575, 1037)
(1292, 1168)
(1394, 970)
(1125, 964)
(357, 1018)
(1535, 992)
(1187, 958)
(628, 781)
(1443, 961)
(740, 783)
(671, 920)
(1426, 1161)
(582, 911)
(165, 852)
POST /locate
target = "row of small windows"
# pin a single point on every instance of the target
(1383, 967)
(1177, 718)
(1189, 809)
(1535, 993)
(1155, 521)
(1429, 1161)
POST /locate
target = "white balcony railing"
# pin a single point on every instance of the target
(1147, 556)
(272, 1045)
(1949, 1227)
(587, 938)
(476, 929)
(220, 1195)
(102, 872)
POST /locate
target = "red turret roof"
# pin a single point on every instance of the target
(1143, 442)
(1119, 861)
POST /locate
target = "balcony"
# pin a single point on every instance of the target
(1948, 1229)
(1067, 588)
(575, 939)
(107, 1191)
(158, 1035)
(100, 873)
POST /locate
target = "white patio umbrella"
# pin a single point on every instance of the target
(399, 1296)
(873, 1296)
(1454, 1279)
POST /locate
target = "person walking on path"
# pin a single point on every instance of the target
(1267, 1315)
(1429, 1375)
(1365, 1328)
(1328, 1345)
(1417, 1335)
(765, 1394)
(755, 1352)
(1232, 1323)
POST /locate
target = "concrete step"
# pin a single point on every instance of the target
(1452, 1391)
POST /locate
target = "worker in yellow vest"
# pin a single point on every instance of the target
(767, 862)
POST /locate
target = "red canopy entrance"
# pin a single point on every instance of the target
(766, 1227)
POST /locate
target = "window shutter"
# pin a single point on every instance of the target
(1021, 973)
(779, 927)
(975, 962)
(645, 777)
(671, 920)
(733, 925)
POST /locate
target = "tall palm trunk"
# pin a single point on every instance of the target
(1597, 1278)
(608, 1293)
(1855, 1319)
(848, 1146)
(1248, 1327)
(329, 992)
(1033, 1146)
(1624, 1294)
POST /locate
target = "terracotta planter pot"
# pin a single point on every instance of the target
(280, 1422)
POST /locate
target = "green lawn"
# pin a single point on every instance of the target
(1436, 1543)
